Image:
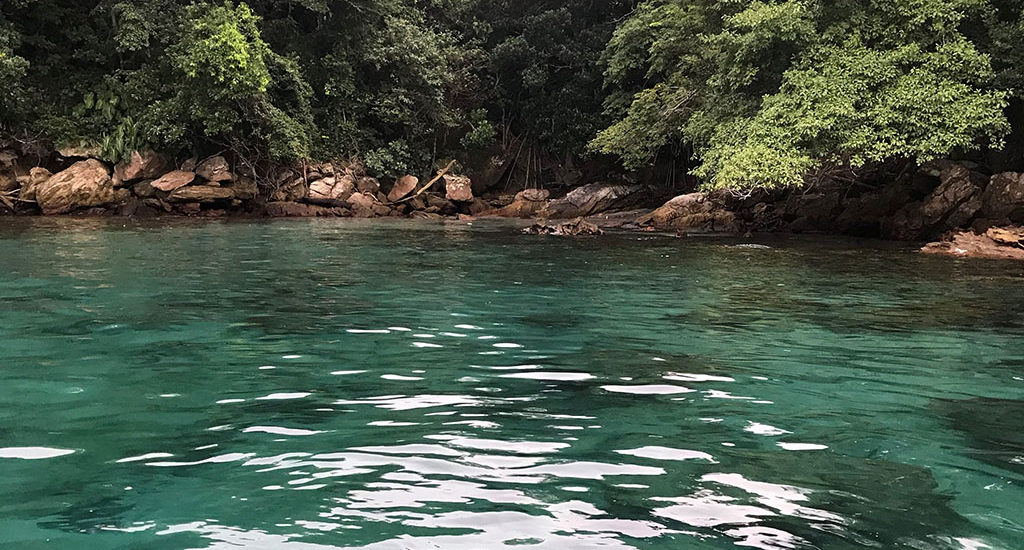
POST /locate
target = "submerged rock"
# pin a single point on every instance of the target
(994, 428)
(85, 184)
(575, 228)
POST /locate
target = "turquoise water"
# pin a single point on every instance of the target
(312, 385)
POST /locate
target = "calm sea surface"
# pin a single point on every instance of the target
(316, 385)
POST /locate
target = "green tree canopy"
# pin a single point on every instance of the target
(768, 93)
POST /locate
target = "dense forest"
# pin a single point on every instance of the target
(739, 93)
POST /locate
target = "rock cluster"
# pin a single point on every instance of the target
(941, 199)
(996, 243)
(150, 183)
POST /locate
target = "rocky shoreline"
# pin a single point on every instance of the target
(961, 209)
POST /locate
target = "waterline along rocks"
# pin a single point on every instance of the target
(954, 204)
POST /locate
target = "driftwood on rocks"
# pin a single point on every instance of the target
(429, 184)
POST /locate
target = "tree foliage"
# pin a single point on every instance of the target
(758, 92)
(769, 92)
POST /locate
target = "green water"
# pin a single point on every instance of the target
(311, 385)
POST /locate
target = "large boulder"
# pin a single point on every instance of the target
(952, 205)
(402, 188)
(692, 212)
(215, 169)
(332, 189)
(141, 165)
(526, 204)
(85, 184)
(1003, 199)
(458, 188)
(173, 180)
(595, 198)
(201, 194)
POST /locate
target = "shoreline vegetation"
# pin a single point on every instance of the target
(899, 121)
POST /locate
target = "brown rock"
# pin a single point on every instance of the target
(85, 184)
(366, 206)
(141, 165)
(595, 198)
(533, 195)
(190, 208)
(417, 204)
(1003, 199)
(955, 201)
(144, 189)
(403, 187)
(952, 205)
(332, 188)
(302, 210)
(518, 209)
(692, 212)
(190, 164)
(245, 188)
(173, 180)
(215, 169)
(294, 190)
(201, 193)
(7, 158)
(368, 185)
(157, 204)
(972, 245)
(8, 182)
(36, 177)
(440, 204)
(81, 152)
(1007, 236)
(477, 206)
(458, 188)
(575, 228)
